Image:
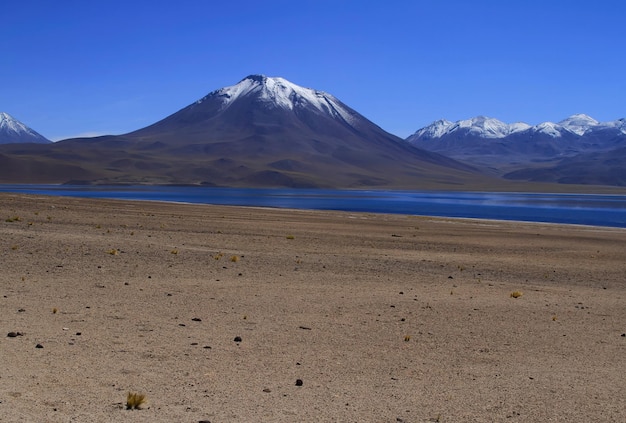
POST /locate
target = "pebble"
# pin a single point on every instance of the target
(14, 334)
(237, 339)
(38, 346)
(299, 382)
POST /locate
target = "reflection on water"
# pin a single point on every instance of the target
(587, 209)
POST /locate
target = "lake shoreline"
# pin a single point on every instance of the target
(608, 210)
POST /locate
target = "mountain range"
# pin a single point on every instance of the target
(267, 131)
(576, 150)
(260, 132)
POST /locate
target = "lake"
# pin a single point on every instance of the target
(582, 209)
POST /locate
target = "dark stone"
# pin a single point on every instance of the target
(196, 319)
(299, 382)
(14, 334)
(38, 346)
(237, 339)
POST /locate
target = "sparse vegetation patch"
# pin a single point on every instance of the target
(135, 401)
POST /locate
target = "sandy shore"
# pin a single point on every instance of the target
(384, 318)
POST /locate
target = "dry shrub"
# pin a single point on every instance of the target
(134, 401)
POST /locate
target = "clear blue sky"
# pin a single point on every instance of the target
(76, 67)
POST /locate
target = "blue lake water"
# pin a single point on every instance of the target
(584, 209)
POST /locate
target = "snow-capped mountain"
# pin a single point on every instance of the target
(490, 128)
(14, 131)
(262, 131)
(278, 92)
(480, 126)
(515, 149)
(579, 123)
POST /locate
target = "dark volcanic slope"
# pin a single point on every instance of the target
(607, 168)
(260, 132)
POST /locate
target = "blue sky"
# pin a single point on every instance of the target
(79, 67)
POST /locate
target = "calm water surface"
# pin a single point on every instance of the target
(585, 209)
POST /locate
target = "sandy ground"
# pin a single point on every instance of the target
(384, 318)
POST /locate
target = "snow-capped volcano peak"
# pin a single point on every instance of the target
(8, 123)
(279, 92)
(14, 131)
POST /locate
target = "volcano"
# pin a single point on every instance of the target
(261, 132)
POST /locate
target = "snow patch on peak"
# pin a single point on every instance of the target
(434, 130)
(579, 123)
(549, 128)
(282, 93)
(8, 123)
(518, 127)
(12, 129)
(483, 126)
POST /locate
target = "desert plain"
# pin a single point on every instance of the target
(232, 314)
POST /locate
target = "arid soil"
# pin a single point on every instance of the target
(381, 318)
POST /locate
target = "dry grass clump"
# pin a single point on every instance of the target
(174, 251)
(113, 251)
(234, 259)
(407, 338)
(134, 401)
(13, 219)
(516, 294)
(290, 237)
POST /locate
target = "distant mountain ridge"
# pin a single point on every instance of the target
(490, 128)
(594, 150)
(13, 131)
(489, 141)
(269, 132)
